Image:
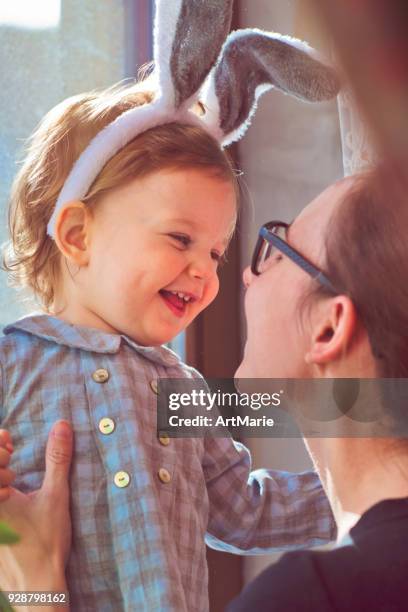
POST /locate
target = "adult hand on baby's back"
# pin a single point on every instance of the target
(6, 474)
(42, 520)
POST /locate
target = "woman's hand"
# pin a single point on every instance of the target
(6, 474)
(41, 519)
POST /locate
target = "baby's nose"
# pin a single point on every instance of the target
(202, 268)
(247, 276)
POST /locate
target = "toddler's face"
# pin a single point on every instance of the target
(152, 240)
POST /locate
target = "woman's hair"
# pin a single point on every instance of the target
(367, 259)
(31, 257)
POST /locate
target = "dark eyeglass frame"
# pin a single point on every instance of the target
(266, 233)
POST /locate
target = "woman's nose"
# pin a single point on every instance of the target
(247, 276)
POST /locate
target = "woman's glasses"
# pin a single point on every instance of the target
(272, 238)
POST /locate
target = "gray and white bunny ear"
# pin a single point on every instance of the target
(252, 62)
(188, 38)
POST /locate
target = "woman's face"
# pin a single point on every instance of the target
(278, 339)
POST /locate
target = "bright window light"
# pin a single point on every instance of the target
(38, 14)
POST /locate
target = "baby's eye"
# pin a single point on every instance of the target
(182, 238)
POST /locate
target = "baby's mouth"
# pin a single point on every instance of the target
(175, 301)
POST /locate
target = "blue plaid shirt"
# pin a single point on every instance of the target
(141, 506)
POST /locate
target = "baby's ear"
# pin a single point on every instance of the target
(251, 63)
(72, 230)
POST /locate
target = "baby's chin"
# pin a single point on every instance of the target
(148, 341)
(154, 339)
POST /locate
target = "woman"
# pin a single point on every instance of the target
(329, 301)
(353, 323)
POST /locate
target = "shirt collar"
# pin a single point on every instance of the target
(87, 338)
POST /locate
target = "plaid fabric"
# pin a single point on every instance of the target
(141, 547)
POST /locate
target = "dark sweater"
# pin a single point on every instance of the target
(369, 575)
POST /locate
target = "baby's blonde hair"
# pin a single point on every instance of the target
(31, 257)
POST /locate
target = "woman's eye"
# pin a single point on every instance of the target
(271, 261)
(182, 238)
(274, 256)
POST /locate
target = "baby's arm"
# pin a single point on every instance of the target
(263, 509)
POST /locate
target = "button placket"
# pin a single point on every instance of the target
(107, 426)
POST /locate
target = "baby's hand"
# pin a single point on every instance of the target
(6, 474)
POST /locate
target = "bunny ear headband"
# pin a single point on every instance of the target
(196, 61)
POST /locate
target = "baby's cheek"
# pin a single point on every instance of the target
(210, 292)
(209, 295)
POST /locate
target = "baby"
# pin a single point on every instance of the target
(119, 271)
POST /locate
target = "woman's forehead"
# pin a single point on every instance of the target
(308, 230)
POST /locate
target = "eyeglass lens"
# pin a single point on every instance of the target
(267, 249)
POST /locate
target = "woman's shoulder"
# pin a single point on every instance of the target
(292, 583)
(367, 574)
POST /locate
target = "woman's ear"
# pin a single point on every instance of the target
(72, 232)
(332, 331)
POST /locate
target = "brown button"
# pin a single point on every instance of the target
(164, 439)
(154, 387)
(164, 475)
(101, 375)
(106, 425)
(121, 479)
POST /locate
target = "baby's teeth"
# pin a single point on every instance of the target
(181, 295)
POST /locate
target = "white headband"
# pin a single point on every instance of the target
(227, 75)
